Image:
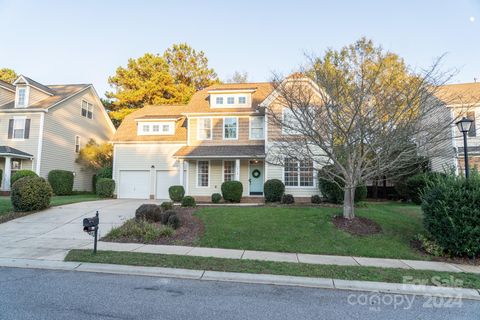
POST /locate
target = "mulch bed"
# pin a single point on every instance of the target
(417, 245)
(190, 230)
(358, 226)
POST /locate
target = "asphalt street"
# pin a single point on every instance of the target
(42, 294)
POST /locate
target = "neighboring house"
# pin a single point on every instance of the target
(43, 127)
(461, 100)
(221, 135)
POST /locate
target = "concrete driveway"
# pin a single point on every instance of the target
(50, 234)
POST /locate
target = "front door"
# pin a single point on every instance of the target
(256, 178)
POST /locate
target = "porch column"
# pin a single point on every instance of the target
(182, 169)
(237, 169)
(7, 173)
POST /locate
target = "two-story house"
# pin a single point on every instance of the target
(459, 100)
(43, 127)
(220, 135)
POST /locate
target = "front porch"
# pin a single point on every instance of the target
(12, 160)
(208, 167)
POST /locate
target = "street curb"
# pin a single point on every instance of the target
(282, 280)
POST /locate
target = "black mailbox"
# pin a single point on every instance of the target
(90, 225)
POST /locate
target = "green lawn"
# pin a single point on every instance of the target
(310, 230)
(6, 209)
(266, 267)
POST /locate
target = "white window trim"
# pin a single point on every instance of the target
(88, 108)
(223, 128)
(236, 101)
(198, 128)
(150, 125)
(250, 128)
(79, 144)
(234, 169)
(298, 186)
(27, 96)
(209, 173)
(24, 118)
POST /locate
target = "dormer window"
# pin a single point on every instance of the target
(242, 100)
(219, 100)
(22, 93)
(234, 99)
(156, 128)
(230, 100)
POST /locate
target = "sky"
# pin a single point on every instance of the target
(56, 42)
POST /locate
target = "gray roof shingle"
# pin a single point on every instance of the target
(221, 152)
(6, 150)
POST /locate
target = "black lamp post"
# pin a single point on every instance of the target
(464, 126)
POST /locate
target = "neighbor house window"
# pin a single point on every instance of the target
(77, 144)
(19, 128)
(473, 130)
(298, 173)
(204, 129)
(219, 100)
(16, 165)
(228, 170)
(22, 93)
(230, 128)
(242, 100)
(257, 127)
(202, 173)
(230, 100)
(87, 109)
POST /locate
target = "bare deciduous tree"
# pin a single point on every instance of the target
(363, 112)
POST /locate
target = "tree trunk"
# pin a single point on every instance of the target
(348, 203)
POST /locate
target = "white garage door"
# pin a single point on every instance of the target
(166, 179)
(134, 184)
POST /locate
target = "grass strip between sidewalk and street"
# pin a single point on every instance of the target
(425, 277)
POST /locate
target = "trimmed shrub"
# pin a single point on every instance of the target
(232, 191)
(149, 212)
(288, 199)
(61, 182)
(176, 193)
(188, 201)
(167, 205)
(417, 183)
(451, 211)
(273, 190)
(139, 230)
(173, 221)
(166, 215)
(332, 190)
(316, 199)
(105, 172)
(216, 197)
(105, 187)
(20, 174)
(31, 193)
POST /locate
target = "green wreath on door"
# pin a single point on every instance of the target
(256, 173)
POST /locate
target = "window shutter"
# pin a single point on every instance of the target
(27, 128)
(10, 129)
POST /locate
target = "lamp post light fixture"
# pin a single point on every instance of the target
(463, 126)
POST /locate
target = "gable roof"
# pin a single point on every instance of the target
(33, 83)
(200, 100)
(62, 92)
(462, 93)
(128, 129)
(7, 86)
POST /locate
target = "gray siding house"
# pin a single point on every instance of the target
(43, 127)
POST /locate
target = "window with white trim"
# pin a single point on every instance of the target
(219, 100)
(257, 128)
(298, 173)
(202, 173)
(242, 100)
(228, 170)
(77, 144)
(22, 97)
(230, 100)
(230, 128)
(204, 129)
(16, 165)
(87, 109)
(156, 128)
(19, 128)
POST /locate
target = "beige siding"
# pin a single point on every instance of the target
(215, 179)
(62, 123)
(217, 133)
(36, 95)
(26, 145)
(6, 96)
(276, 172)
(143, 157)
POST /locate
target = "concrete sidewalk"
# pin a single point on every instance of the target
(205, 275)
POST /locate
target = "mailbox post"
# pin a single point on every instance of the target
(90, 225)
